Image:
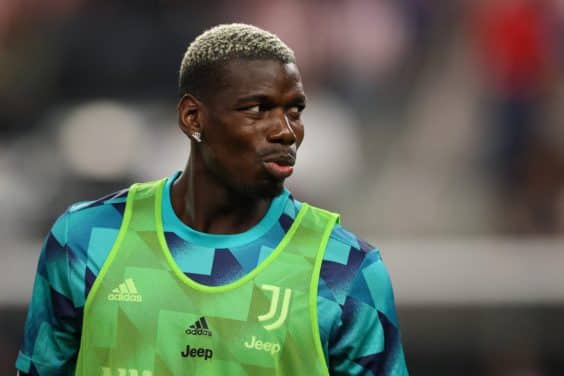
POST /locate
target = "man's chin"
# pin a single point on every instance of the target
(267, 190)
(273, 191)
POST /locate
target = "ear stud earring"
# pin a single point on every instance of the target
(197, 136)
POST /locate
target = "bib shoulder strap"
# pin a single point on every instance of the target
(323, 213)
(144, 190)
(144, 202)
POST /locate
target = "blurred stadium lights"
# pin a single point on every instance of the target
(106, 125)
(477, 271)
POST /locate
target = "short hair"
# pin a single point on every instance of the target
(206, 55)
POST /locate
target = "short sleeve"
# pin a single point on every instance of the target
(366, 340)
(52, 328)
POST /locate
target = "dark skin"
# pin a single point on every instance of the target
(250, 130)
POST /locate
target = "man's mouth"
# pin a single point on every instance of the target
(279, 171)
(280, 166)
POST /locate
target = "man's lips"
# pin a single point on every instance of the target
(277, 170)
(280, 166)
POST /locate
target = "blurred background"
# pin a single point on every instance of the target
(436, 127)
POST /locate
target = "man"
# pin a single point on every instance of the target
(217, 270)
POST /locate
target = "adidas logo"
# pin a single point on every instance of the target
(199, 328)
(126, 292)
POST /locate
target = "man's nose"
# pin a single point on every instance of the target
(282, 131)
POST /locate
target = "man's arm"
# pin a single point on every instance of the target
(52, 329)
(364, 337)
(369, 334)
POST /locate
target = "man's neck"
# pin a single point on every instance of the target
(212, 208)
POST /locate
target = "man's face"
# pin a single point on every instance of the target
(252, 126)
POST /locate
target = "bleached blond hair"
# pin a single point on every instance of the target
(223, 43)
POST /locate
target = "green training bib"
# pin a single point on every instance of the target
(145, 317)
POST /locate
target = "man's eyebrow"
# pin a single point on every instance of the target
(254, 98)
(261, 98)
(299, 98)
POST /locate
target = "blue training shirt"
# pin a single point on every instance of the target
(357, 317)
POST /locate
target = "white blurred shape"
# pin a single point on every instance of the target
(165, 150)
(100, 139)
(12, 191)
(560, 211)
(330, 154)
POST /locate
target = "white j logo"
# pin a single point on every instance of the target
(274, 307)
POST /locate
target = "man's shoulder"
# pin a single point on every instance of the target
(115, 199)
(349, 251)
(353, 274)
(344, 240)
(344, 236)
(80, 219)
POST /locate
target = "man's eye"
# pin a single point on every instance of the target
(254, 109)
(295, 111)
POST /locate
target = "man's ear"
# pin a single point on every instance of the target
(189, 116)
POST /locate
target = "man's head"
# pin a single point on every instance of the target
(201, 67)
(242, 93)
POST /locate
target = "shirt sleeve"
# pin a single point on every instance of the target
(52, 328)
(366, 339)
